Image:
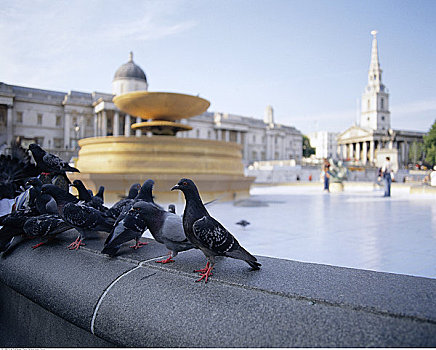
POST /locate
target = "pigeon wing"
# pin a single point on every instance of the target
(213, 235)
(81, 215)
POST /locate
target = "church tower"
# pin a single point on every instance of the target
(375, 113)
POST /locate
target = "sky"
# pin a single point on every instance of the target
(308, 59)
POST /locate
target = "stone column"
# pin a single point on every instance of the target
(344, 151)
(227, 133)
(9, 126)
(365, 152)
(127, 126)
(238, 137)
(406, 152)
(116, 124)
(350, 151)
(95, 125)
(67, 126)
(357, 150)
(138, 132)
(371, 151)
(104, 124)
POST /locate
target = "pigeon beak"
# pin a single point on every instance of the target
(175, 187)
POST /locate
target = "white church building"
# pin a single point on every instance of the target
(374, 139)
(57, 120)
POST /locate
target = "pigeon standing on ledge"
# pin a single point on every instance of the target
(49, 163)
(208, 234)
(165, 227)
(83, 218)
(129, 224)
(118, 207)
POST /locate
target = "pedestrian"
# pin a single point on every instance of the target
(387, 176)
(326, 174)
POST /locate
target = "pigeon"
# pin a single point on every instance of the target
(243, 223)
(83, 193)
(86, 196)
(46, 226)
(165, 227)
(49, 163)
(118, 207)
(129, 225)
(208, 234)
(14, 172)
(132, 226)
(83, 218)
(12, 226)
(37, 199)
(172, 208)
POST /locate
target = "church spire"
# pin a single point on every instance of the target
(375, 99)
(375, 73)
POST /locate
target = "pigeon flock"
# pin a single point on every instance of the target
(44, 208)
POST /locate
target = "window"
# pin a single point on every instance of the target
(197, 133)
(369, 104)
(58, 120)
(254, 138)
(383, 117)
(19, 118)
(208, 135)
(39, 119)
(57, 142)
(74, 120)
(382, 103)
(88, 122)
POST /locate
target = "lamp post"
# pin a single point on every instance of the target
(76, 131)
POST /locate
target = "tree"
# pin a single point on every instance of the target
(416, 152)
(430, 145)
(308, 150)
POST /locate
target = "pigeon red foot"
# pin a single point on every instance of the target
(138, 245)
(38, 245)
(166, 261)
(205, 273)
(76, 244)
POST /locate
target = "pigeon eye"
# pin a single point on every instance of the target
(185, 183)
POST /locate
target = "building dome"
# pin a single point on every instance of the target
(128, 78)
(130, 70)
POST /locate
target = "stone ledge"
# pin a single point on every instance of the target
(285, 304)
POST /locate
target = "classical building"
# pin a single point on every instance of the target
(57, 120)
(373, 140)
(325, 144)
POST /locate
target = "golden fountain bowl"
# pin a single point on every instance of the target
(161, 105)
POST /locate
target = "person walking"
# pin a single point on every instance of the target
(387, 176)
(326, 172)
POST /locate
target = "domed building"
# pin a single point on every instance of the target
(57, 120)
(129, 77)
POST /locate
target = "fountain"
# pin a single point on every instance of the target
(118, 161)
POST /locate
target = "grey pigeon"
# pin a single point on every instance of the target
(172, 208)
(38, 199)
(243, 223)
(129, 225)
(86, 196)
(165, 227)
(118, 207)
(49, 163)
(45, 226)
(12, 226)
(208, 234)
(83, 218)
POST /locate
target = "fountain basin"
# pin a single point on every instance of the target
(116, 162)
